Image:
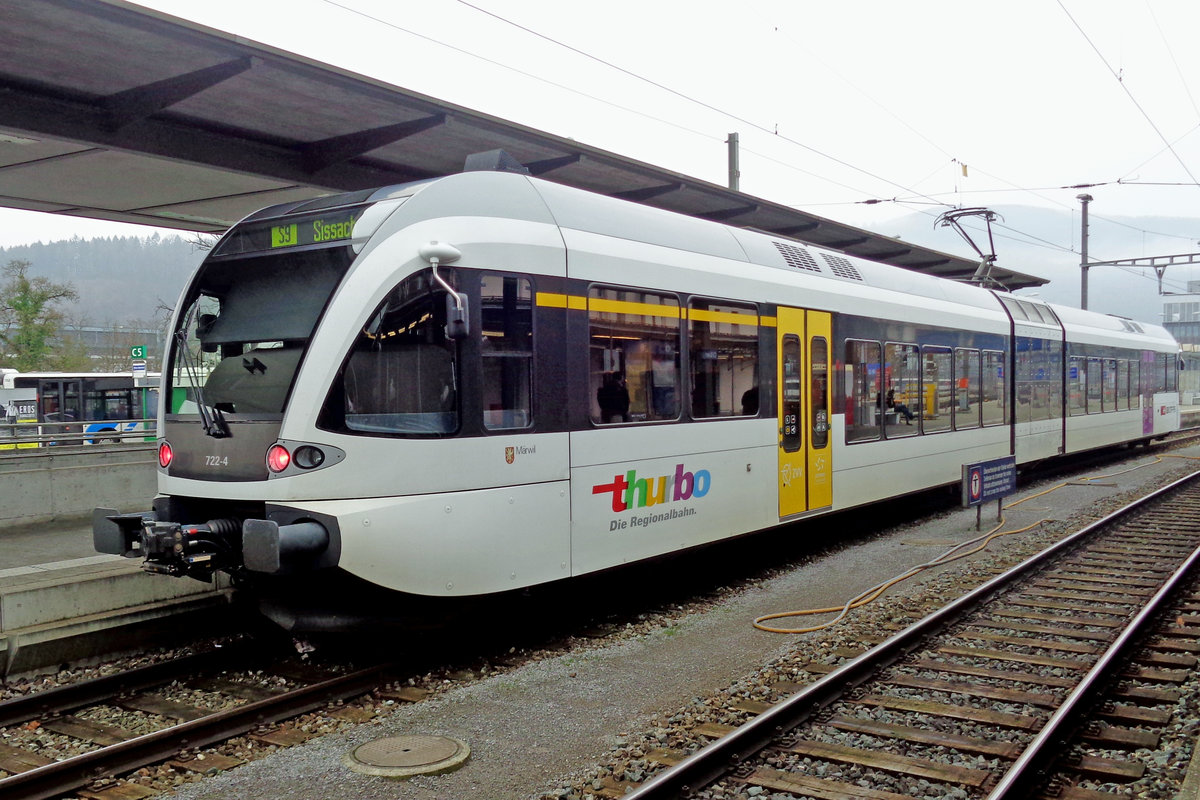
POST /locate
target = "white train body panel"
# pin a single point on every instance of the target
(642, 493)
(461, 543)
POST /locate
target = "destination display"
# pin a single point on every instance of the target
(317, 228)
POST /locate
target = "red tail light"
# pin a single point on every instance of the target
(165, 454)
(278, 458)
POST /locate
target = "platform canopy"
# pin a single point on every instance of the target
(112, 111)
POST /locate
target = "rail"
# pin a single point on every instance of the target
(32, 435)
(194, 728)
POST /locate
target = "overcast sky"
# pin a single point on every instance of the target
(923, 105)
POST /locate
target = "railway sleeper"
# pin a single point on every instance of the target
(111, 789)
(817, 788)
(968, 689)
(964, 744)
(1076, 793)
(88, 731)
(951, 668)
(152, 704)
(14, 760)
(1106, 769)
(203, 764)
(1120, 738)
(895, 764)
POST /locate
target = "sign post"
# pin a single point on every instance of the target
(986, 481)
(137, 357)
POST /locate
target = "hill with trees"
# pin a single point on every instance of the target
(118, 279)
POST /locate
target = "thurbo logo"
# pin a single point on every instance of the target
(630, 491)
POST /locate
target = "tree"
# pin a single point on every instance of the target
(29, 318)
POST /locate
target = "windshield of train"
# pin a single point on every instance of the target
(245, 326)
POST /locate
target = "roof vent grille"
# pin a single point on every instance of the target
(797, 257)
(842, 267)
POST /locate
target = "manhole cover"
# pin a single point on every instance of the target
(405, 756)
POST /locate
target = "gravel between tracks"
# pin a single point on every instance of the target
(560, 727)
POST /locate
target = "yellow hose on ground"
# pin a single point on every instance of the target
(945, 558)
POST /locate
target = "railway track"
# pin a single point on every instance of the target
(1054, 673)
(230, 697)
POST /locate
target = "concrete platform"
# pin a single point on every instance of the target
(59, 599)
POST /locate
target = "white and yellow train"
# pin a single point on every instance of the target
(486, 381)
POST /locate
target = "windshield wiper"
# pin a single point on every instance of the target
(211, 418)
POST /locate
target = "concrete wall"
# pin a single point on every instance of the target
(61, 482)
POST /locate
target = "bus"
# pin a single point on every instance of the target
(108, 405)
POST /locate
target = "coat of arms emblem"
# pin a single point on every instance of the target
(510, 454)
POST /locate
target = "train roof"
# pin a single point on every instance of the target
(1109, 329)
(510, 195)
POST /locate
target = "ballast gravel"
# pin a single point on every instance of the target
(565, 726)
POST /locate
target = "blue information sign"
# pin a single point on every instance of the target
(988, 480)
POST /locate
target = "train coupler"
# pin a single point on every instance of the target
(169, 548)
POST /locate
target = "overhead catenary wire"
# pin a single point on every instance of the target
(1125, 88)
(684, 96)
(910, 200)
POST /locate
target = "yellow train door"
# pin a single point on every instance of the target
(805, 463)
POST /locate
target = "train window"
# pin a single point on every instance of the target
(1049, 376)
(819, 363)
(1039, 369)
(506, 351)
(863, 382)
(1135, 384)
(400, 377)
(902, 369)
(1077, 386)
(1094, 386)
(1109, 380)
(1172, 371)
(937, 402)
(791, 439)
(723, 350)
(966, 388)
(1122, 385)
(634, 355)
(994, 399)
